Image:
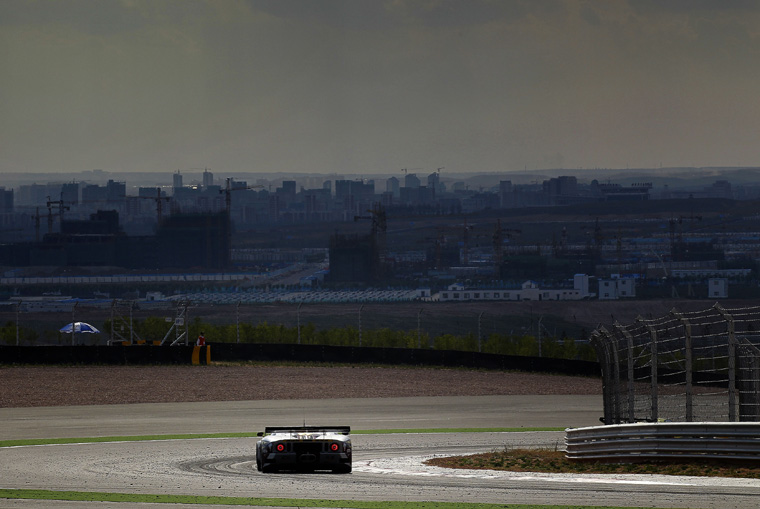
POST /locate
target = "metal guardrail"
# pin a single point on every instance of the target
(628, 443)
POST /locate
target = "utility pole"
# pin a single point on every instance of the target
(480, 347)
(360, 324)
(298, 320)
(419, 332)
(539, 334)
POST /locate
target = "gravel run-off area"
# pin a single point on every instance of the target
(34, 386)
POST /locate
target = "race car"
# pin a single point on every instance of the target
(304, 448)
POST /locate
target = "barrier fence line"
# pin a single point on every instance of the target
(655, 441)
(700, 366)
(418, 325)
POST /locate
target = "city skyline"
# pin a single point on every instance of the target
(353, 87)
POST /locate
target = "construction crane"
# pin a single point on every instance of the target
(228, 193)
(378, 230)
(498, 243)
(466, 243)
(228, 204)
(36, 218)
(158, 199)
(377, 215)
(61, 208)
(440, 240)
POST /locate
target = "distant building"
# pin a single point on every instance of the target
(616, 192)
(289, 187)
(505, 194)
(717, 288)
(434, 184)
(392, 186)
(186, 241)
(208, 179)
(529, 291)
(613, 289)
(353, 259)
(70, 193)
(177, 180)
(720, 189)
(560, 188)
(411, 180)
(116, 191)
(6, 200)
(93, 193)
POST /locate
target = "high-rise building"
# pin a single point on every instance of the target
(116, 191)
(434, 183)
(342, 188)
(208, 179)
(289, 187)
(70, 193)
(505, 193)
(392, 186)
(93, 193)
(177, 180)
(6, 200)
(411, 180)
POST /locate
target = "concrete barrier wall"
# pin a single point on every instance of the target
(116, 354)
(233, 352)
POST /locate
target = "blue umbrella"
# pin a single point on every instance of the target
(79, 327)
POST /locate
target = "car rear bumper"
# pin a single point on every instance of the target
(324, 460)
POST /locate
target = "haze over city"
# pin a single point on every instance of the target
(365, 87)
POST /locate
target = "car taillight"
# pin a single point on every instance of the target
(335, 447)
(280, 447)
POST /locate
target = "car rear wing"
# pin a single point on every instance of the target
(344, 430)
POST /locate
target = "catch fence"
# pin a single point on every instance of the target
(701, 366)
(498, 328)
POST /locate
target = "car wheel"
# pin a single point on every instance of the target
(258, 457)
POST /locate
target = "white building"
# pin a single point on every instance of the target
(613, 289)
(529, 291)
(717, 288)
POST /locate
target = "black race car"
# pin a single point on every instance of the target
(304, 448)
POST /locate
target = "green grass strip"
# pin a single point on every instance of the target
(192, 436)
(91, 496)
(451, 430)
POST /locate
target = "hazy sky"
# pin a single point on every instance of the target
(354, 86)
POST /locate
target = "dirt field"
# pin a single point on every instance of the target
(99, 385)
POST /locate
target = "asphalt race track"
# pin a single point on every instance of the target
(386, 467)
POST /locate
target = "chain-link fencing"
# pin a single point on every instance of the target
(698, 366)
(467, 326)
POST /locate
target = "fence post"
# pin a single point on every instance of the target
(602, 353)
(655, 361)
(689, 365)
(613, 348)
(629, 360)
(731, 361)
